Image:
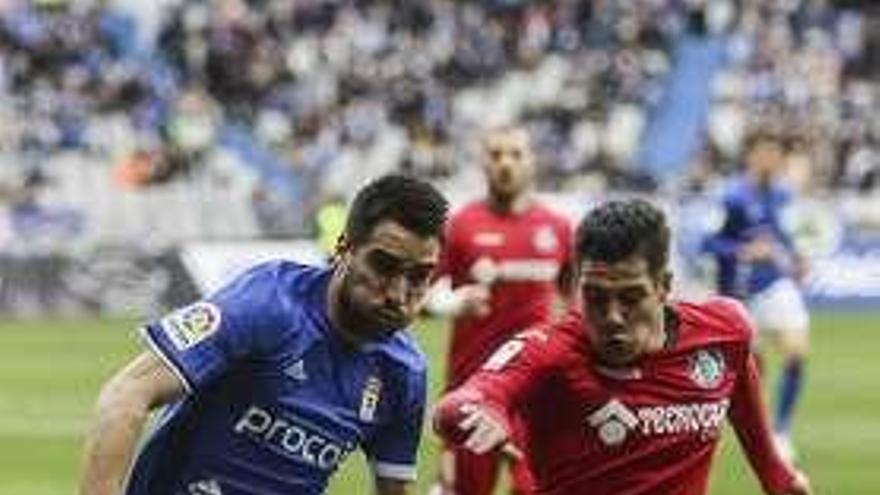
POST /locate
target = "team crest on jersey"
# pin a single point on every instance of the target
(545, 240)
(370, 398)
(188, 326)
(707, 368)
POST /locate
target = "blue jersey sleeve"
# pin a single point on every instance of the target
(200, 341)
(393, 447)
(724, 243)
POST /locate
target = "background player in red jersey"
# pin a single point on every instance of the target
(628, 394)
(505, 259)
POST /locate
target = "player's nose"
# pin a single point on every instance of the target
(614, 314)
(396, 290)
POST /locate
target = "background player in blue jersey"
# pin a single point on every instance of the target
(758, 263)
(270, 382)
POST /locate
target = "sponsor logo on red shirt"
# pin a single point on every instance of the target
(614, 421)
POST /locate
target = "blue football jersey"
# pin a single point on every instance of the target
(276, 400)
(750, 212)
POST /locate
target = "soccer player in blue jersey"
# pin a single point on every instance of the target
(273, 380)
(758, 263)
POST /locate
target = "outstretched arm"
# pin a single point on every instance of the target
(122, 409)
(474, 424)
(749, 418)
(476, 415)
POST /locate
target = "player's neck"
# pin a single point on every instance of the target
(339, 323)
(661, 338)
(514, 206)
(666, 335)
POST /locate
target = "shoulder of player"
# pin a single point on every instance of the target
(717, 317)
(287, 279)
(542, 209)
(464, 218)
(469, 210)
(544, 214)
(275, 290)
(552, 341)
(737, 190)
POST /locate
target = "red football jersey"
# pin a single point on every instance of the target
(519, 258)
(649, 429)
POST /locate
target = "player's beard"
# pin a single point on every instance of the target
(504, 187)
(611, 346)
(360, 319)
(617, 353)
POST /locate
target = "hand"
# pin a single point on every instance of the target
(759, 249)
(475, 300)
(800, 486)
(485, 432)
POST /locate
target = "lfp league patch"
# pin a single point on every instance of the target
(192, 324)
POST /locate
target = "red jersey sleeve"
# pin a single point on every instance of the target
(504, 380)
(748, 415)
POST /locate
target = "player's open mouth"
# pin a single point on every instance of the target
(391, 317)
(616, 350)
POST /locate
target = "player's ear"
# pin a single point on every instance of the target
(342, 247)
(664, 284)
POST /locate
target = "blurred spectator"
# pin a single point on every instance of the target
(33, 222)
(329, 224)
(336, 91)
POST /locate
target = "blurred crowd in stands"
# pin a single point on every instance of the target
(336, 91)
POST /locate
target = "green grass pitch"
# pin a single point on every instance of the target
(50, 372)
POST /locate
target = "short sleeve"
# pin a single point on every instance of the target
(743, 320)
(736, 318)
(201, 341)
(393, 448)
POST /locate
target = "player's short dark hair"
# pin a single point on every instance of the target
(414, 204)
(618, 229)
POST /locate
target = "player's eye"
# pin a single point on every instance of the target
(595, 296)
(419, 276)
(383, 264)
(632, 297)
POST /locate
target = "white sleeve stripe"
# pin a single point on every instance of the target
(145, 334)
(406, 472)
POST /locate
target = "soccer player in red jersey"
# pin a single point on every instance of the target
(505, 258)
(628, 394)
